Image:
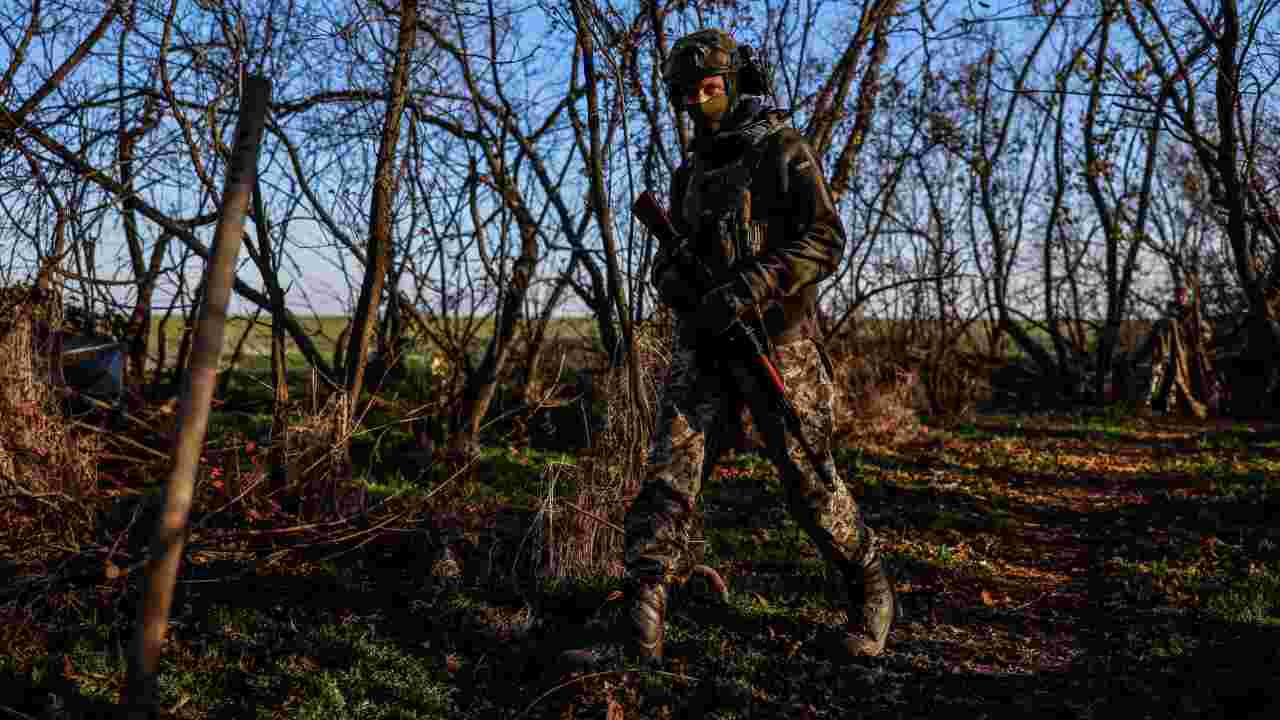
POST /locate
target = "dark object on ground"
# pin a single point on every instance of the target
(94, 368)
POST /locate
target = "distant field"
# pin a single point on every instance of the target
(324, 331)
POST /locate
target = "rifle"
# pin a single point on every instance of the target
(740, 335)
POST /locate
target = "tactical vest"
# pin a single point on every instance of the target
(717, 202)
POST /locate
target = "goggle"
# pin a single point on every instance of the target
(692, 61)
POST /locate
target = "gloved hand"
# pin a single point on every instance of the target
(716, 313)
(672, 279)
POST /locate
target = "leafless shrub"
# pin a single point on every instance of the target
(320, 466)
(954, 385)
(875, 399)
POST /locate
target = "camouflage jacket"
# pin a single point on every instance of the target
(755, 205)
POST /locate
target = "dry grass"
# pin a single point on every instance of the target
(583, 536)
(876, 400)
(318, 450)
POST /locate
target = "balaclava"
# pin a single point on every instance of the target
(697, 56)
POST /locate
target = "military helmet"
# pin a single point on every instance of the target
(696, 56)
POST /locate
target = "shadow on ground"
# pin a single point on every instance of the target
(1090, 644)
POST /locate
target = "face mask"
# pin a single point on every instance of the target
(712, 110)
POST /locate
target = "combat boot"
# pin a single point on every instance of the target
(639, 633)
(873, 607)
(648, 620)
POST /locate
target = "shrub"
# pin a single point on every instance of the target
(46, 468)
(875, 400)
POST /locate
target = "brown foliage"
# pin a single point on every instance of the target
(39, 453)
(875, 398)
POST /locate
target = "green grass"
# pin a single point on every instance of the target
(244, 662)
(999, 565)
(1252, 599)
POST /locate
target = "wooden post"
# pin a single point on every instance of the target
(140, 696)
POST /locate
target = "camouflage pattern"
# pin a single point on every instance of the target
(701, 413)
(752, 200)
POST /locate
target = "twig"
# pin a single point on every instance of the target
(595, 517)
(14, 713)
(285, 530)
(1026, 605)
(137, 511)
(602, 673)
(543, 402)
(125, 458)
(123, 438)
(234, 500)
(22, 492)
(101, 405)
(366, 531)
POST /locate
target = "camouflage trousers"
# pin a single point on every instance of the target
(700, 415)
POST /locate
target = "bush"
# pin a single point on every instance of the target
(875, 400)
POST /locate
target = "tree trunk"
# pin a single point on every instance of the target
(599, 200)
(278, 458)
(141, 694)
(538, 339)
(188, 334)
(237, 352)
(1264, 311)
(377, 255)
(266, 261)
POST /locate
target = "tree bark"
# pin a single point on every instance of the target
(477, 394)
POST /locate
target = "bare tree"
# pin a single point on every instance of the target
(170, 532)
(1188, 50)
(488, 121)
(385, 186)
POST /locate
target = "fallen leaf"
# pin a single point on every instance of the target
(987, 599)
(615, 595)
(111, 570)
(615, 710)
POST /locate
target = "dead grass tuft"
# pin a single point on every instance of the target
(875, 400)
(582, 535)
(319, 462)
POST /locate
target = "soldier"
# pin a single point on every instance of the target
(1182, 379)
(751, 199)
